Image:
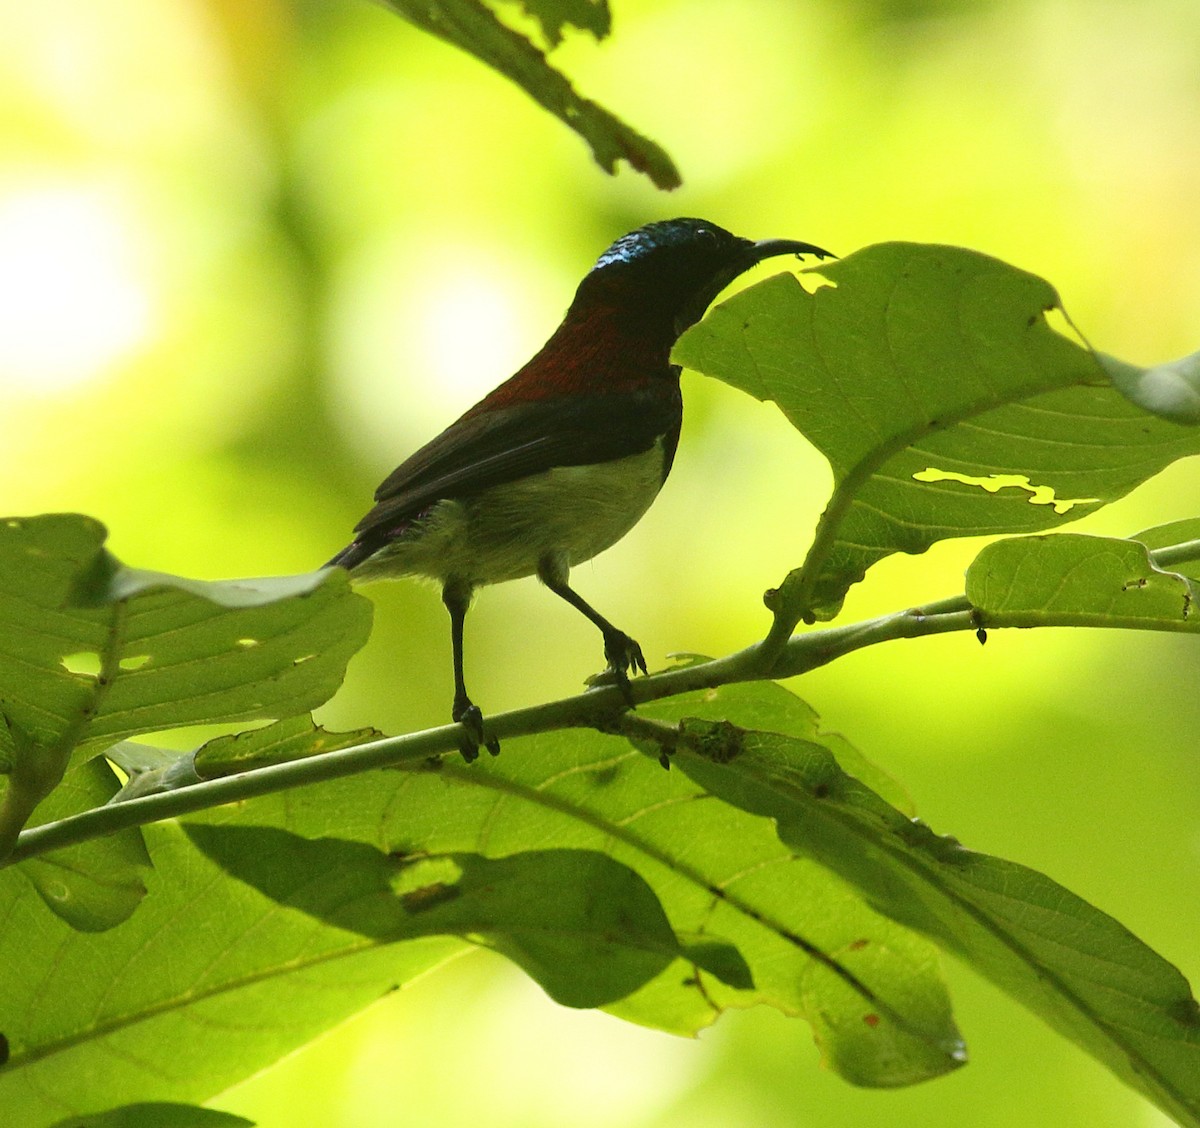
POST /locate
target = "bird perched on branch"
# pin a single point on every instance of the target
(561, 460)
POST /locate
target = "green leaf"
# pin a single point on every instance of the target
(97, 884)
(768, 706)
(810, 945)
(151, 770)
(474, 27)
(946, 405)
(206, 984)
(292, 738)
(903, 1031)
(209, 963)
(1068, 962)
(157, 1115)
(92, 652)
(1075, 580)
(168, 651)
(1170, 390)
(585, 927)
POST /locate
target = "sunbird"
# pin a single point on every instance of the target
(561, 460)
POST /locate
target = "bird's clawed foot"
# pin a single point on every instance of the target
(470, 717)
(624, 657)
(623, 653)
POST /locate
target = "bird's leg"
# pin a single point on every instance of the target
(457, 598)
(621, 651)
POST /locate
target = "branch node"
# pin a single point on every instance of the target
(641, 730)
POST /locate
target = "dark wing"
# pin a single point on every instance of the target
(490, 448)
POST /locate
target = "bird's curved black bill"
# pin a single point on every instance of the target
(769, 248)
(751, 255)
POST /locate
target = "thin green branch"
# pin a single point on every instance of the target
(598, 708)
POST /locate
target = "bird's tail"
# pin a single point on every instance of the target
(350, 556)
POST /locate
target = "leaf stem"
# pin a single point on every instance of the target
(1175, 553)
(38, 769)
(26, 788)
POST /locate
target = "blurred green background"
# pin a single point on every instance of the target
(252, 254)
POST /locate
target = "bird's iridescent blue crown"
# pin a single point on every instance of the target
(667, 234)
(666, 274)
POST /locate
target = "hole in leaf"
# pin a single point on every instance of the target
(994, 483)
(427, 881)
(85, 663)
(135, 662)
(813, 280)
(248, 643)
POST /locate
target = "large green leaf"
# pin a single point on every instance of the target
(722, 878)
(474, 27)
(92, 652)
(945, 402)
(209, 963)
(1073, 580)
(1070, 963)
(207, 983)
